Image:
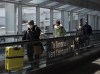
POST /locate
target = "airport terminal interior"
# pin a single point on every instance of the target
(75, 52)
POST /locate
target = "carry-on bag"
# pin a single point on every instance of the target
(14, 58)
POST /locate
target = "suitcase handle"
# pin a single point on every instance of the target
(16, 48)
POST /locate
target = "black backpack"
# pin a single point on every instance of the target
(37, 31)
(31, 35)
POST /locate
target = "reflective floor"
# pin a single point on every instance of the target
(91, 68)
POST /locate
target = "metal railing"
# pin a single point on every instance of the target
(56, 49)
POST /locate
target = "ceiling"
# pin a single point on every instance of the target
(90, 4)
(79, 6)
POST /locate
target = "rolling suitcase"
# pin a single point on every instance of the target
(14, 58)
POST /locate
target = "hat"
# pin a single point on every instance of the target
(31, 22)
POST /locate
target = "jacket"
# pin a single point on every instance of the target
(59, 31)
(32, 35)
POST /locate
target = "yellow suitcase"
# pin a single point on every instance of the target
(14, 58)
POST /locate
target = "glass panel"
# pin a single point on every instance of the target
(37, 1)
(52, 4)
(12, 0)
(86, 11)
(28, 13)
(81, 10)
(72, 8)
(75, 21)
(44, 20)
(56, 16)
(64, 6)
(68, 8)
(2, 21)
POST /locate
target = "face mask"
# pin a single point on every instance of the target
(29, 26)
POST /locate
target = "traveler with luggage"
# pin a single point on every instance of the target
(33, 49)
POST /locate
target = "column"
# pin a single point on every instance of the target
(79, 17)
(85, 18)
(38, 16)
(51, 21)
(96, 22)
(99, 22)
(62, 17)
(65, 20)
(71, 22)
(89, 19)
(92, 21)
(10, 20)
(19, 19)
(97, 25)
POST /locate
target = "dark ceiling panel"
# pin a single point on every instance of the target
(95, 1)
(82, 3)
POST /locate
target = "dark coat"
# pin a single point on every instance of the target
(87, 29)
(32, 35)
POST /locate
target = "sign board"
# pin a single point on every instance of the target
(58, 49)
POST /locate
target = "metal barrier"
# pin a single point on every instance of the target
(56, 49)
(72, 33)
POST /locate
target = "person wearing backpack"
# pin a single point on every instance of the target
(33, 49)
(87, 31)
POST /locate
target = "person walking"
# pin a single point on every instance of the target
(87, 31)
(33, 49)
(59, 30)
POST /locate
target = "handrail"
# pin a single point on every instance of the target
(20, 35)
(49, 40)
(76, 31)
(10, 36)
(36, 41)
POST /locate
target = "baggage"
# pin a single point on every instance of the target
(38, 49)
(14, 58)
